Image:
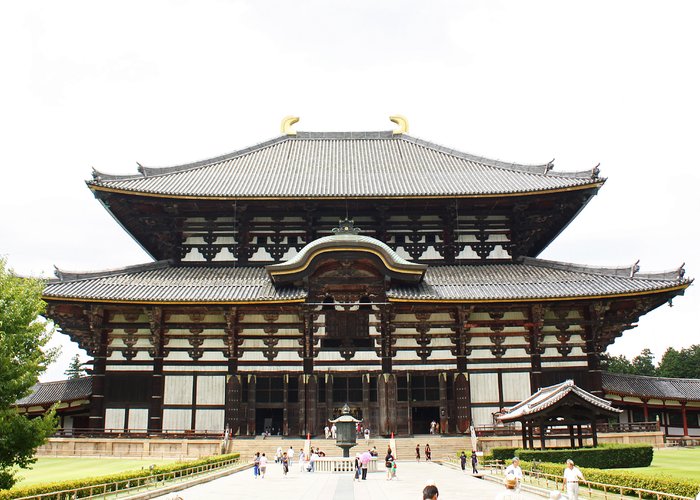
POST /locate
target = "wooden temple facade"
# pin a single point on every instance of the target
(426, 302)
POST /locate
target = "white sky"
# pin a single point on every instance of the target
(107, 84)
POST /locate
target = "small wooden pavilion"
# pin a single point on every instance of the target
(558, 407)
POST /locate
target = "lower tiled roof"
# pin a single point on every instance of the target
(46, 393)
(683, 389)
(529, 279)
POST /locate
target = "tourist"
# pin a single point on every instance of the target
(263, 466)
(334, 432)
(358, 467)
(572, 475)
(463, 460)
(374, 451)
(278, 455)
(364, 461)
(433, 427)
(290, 455)
(517, 474)
(256, 465)
(428, 453)
(312, 461)
(475, 462)
(285, 464)
(327, 431)
(367, 436)
(388, 463)
(430, 492)
(418, 453)
(302, 461)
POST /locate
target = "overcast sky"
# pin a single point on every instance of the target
(106, 85)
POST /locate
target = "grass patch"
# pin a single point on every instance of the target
(680, 463)
(48, 470)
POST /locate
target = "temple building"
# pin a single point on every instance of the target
(318, 269)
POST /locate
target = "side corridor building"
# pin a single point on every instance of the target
(315, 269)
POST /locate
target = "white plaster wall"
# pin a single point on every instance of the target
(178, 390)
(211, 390)
(114, 419)
(516, 386)
(483, 416)
(138, 419)
(484, 387)
(177, 420)
(209, 420)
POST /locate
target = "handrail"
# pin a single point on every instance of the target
(592, 485)
(115, 488)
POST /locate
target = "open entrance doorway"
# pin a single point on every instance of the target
(269, 419)
(422, 416)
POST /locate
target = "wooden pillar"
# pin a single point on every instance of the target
(461, 387)
(442, 381)
(285, 410)
(535, 348)
(308, 351)
(531, 434)
(571, 436)
(523, 431)
(310, 403)
(645, 402)
(386, 399)
(329, 395)
(155, 411)
(386, 331)
(99, 367)
(365, 403)
(232, 413)
(251, 405)
(595, 316)
(580, 436)
(302, 405)
(594, 431)
(543, 428)
(685, 419)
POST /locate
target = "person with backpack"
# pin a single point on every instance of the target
(256, 465)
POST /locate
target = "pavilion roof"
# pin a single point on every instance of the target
(527, 279)
(678, 389)
(345, 165)
(44, 393)
(555, 395)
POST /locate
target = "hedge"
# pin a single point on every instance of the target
(122, 476)
(609, 456)
(661, 483)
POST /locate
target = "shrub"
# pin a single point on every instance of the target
(602, 457)
(629, 479)
(504, 453)
(122, 476)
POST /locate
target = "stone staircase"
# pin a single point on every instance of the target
(442, 446)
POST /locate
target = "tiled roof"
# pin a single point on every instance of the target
(550, 396)
(527, 279)
(345, 164)
(530, 279)
(45, 393)
(652, 387)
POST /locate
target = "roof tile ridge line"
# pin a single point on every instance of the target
(631, 375)
(148, 172)
(585, 394)
(356, 135)
(541, 169)
(66, 276)
(619, 271)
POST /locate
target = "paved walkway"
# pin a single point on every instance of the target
(412, 477)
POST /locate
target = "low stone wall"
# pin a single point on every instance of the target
(341, 464)
(655, 439)
(131, 448)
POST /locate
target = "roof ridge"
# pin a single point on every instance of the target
(63, 276)
(632, 375)
(616, 271)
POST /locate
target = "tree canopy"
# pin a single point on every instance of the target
(683, 363)
(23, 357)
(75, 368)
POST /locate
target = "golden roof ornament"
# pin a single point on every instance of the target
(402, 122)
(287, 123)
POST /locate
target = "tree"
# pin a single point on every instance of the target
(643, 364)
(681, 364)
(75, 368)
(23, 357)
(615, 364)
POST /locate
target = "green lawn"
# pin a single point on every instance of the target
(47, 470)
(682, 463)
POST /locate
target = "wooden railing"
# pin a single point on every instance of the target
(138, 433)
(131, 486)
(341, 464)
(511, 430)
(629, 427)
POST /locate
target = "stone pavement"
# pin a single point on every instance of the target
(412, 477)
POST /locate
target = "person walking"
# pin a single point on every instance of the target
(358, 467)
(278, 455)
(263, 466)
(327, 432)
(475, 462)
(364, 461)
(418, 453)
(290, 455)
(514, 471)
(334, 432)
(428, 453)
(256, 465)
(463, 460)
(302, 461)
(285, 464)
(572, 476)
(312, 461)
(367, 436)
(388, 463)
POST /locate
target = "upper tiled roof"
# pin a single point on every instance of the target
(652, 387)
(345, 164)
(550, 396)
(528, 279)
(45, 393)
